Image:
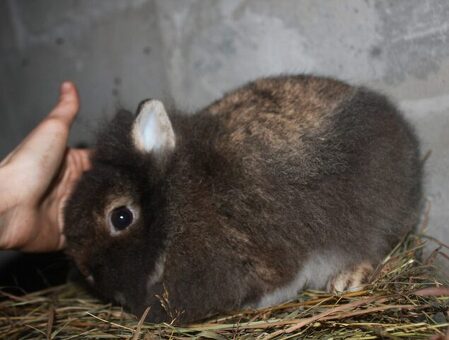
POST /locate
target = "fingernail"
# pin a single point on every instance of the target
(65, 87)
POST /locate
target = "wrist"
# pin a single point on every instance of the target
(9, 209)
(6, 230)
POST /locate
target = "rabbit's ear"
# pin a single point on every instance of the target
(152, 130)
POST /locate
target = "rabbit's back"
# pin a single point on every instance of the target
(316, 150)
(309, 123)
(272, 117)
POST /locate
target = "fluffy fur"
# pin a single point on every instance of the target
(275, 176)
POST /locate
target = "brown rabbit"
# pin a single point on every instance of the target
(287, 183)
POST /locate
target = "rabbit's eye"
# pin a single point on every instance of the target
(121, 218)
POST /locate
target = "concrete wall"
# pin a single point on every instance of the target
(190, 51)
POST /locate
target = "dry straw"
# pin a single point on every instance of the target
(406, 299)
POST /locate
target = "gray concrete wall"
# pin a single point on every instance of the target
(191, 51)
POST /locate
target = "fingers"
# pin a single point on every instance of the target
(49, 219)
(76, 163)
(82, 158)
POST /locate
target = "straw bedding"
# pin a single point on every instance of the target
(406, 299)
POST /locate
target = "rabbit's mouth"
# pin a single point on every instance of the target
(79, 256)
(158, 272)
(86, 273)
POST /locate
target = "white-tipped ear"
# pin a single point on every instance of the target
(152, 130)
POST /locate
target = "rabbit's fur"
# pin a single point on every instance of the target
(286, 183)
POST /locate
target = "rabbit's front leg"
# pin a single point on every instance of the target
(352, 278)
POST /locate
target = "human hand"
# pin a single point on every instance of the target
(36, 178)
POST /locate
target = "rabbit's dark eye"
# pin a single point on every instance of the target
(121, 218)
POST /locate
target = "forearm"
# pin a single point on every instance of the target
(3, 207)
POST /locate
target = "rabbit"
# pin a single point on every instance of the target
(287, 183)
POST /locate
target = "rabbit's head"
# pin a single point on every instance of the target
(114, 220)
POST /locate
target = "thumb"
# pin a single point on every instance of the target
(43, 149)
(68, 104)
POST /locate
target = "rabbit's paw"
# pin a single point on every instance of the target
(350, 279)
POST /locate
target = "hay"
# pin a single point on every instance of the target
(406, 299)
